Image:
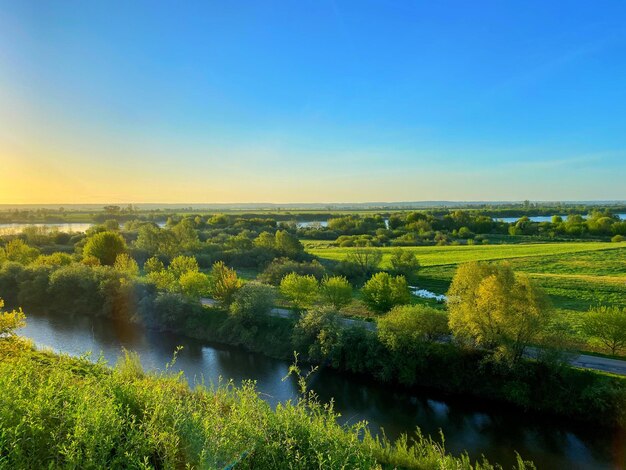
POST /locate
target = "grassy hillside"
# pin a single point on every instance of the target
(59, 412)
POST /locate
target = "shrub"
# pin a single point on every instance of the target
(383, 292)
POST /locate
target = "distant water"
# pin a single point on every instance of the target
(12, 229)
(546, 218)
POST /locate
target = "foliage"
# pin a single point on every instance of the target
(153, 265)
(18, 251)
(301, 291)
(126, 265)
(10, 321)
(181, 265)
(195, 284)
(405, 326)
(105, 246)
(495, 308)
(336, 291)
(280, 267)
(54, 259)
(607, 325)
(365, 260)
(404, 262)
(317, 333)
(253, 301)
(224, 283)
(383, 292)
(67, 413)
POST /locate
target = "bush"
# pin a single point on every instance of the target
(280, 267)
(405, 326)
(336, 291)
(383, 292)
(105, 246)
(253, 301)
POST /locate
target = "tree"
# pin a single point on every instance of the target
(317, 333)
(224, 283)
(383, 292)
(54, 259)
(127, 265)
(156, 241)
(366, 260)
(288, 244)
(301, 291)
(280, 267)
(336, 291)
(10, 321)
(195, 284)
(105, 246)
(495, 308)
(607, 325)
(404, 262)
(186, 234)
(183, 264)
(253, 301)
(153, 265)
(265, 240)
(19, 252)
(405, 326)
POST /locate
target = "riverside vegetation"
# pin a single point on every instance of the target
(156, 276)
(63, 412)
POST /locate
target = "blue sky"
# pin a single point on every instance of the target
(312, 101)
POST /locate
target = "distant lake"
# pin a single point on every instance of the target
(12, 229)
(545, 218)
(75, 227)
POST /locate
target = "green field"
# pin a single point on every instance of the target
(576, 275)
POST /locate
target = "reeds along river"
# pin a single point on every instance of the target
(479, 427)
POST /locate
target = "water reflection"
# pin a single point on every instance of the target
(481, 427)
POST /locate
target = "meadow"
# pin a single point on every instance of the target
(576, 275)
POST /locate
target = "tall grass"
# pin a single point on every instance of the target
(62, 412)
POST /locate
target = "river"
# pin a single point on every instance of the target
(479, 427)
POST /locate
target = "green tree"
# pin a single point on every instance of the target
(224, 283)
(253, 301)
(18, 252)
(183, 264)
(105, 246)
(124, 263)
(405, 326)
(607, 326)
(301, 291)
(288, 244)
(186, 234)
(153, 265)
(336, 291)
(404, 262)
(266, 241)
(317, 333)
(383, 292)
(195, 284)
(54, 259)
(495, 308)
(366, 260)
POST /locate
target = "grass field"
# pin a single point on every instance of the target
(575, 275)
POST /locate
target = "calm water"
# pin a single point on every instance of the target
(479, 427)
(546, 218)
(10, 229)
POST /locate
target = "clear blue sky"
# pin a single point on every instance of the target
(312, 101)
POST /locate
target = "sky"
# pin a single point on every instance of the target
(311, 101)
